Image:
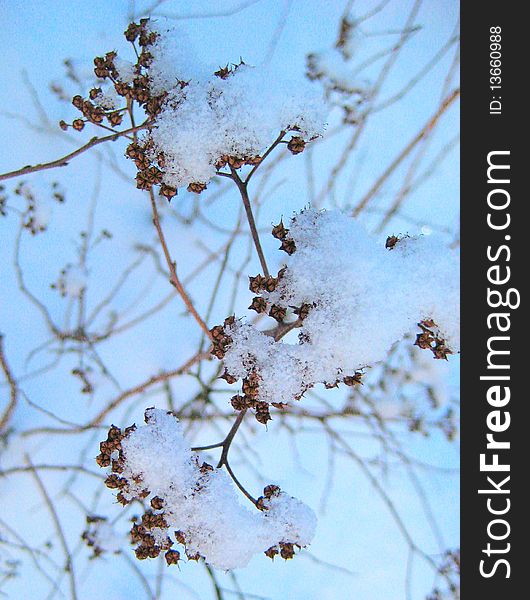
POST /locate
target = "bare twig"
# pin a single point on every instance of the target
(69, 565)
(13, 388)
(173, 270)
(64, 160)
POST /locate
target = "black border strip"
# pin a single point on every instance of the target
(493, 121)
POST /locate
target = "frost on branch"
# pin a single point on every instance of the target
(353, 297)
(192, 503)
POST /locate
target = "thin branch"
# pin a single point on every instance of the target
(172, 268)
(63, 161)
(69, 566)
(268, 151)
(13, 388)
(242, 187)
(425, 130)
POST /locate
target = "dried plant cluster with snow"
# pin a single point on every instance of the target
(346, 296)
(230, 118)
(352, 299)
(201, 118)
(39, 207)
(194, 504)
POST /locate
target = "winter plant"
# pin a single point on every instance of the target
(343, 304)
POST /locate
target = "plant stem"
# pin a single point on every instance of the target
(242, 187)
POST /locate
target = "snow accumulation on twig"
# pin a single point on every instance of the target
(194, 504)
(360, 299)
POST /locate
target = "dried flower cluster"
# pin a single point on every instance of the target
(100, 536)
(229, 119)
(431, 339)
(38, 210)
(350, 299)
(71, 282)
(198, 119)
(337, 74)
(193, 504)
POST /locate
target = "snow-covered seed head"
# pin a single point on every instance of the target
(191, 502)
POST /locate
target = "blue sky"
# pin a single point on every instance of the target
(356, 531)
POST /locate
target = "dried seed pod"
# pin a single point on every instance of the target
(157, 503)
(258, 304)
(278, 312)
(236, 162)
(196, 187)
(353, 380)
(78, 124)
(257, 283)
(112, 481)
(330, 385)
(280, 231)
(391, 241)
(296, 145)
(262, 413)
(142, 553)
(286, 550)
(223, 72)
(228, 378)
(238, 402)
(172, 557)
(271, 490)
(77, 101)
(288, 246)
(441, 351)
(271, 283)
(180, 537)
(302, 311)
(168, 191)
(132, 32)
(115, 118)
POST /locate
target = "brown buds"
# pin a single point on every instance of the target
(429, 339)
(296, 145)
(391, 241)
(288, 246)
(196, 187)
(258, 304)
(279, 231)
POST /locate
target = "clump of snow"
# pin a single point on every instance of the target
(202, 504)
(206, 117)
(107, 99)
(126, 69)
(173, 58)
(238, 116)
(364, 298)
